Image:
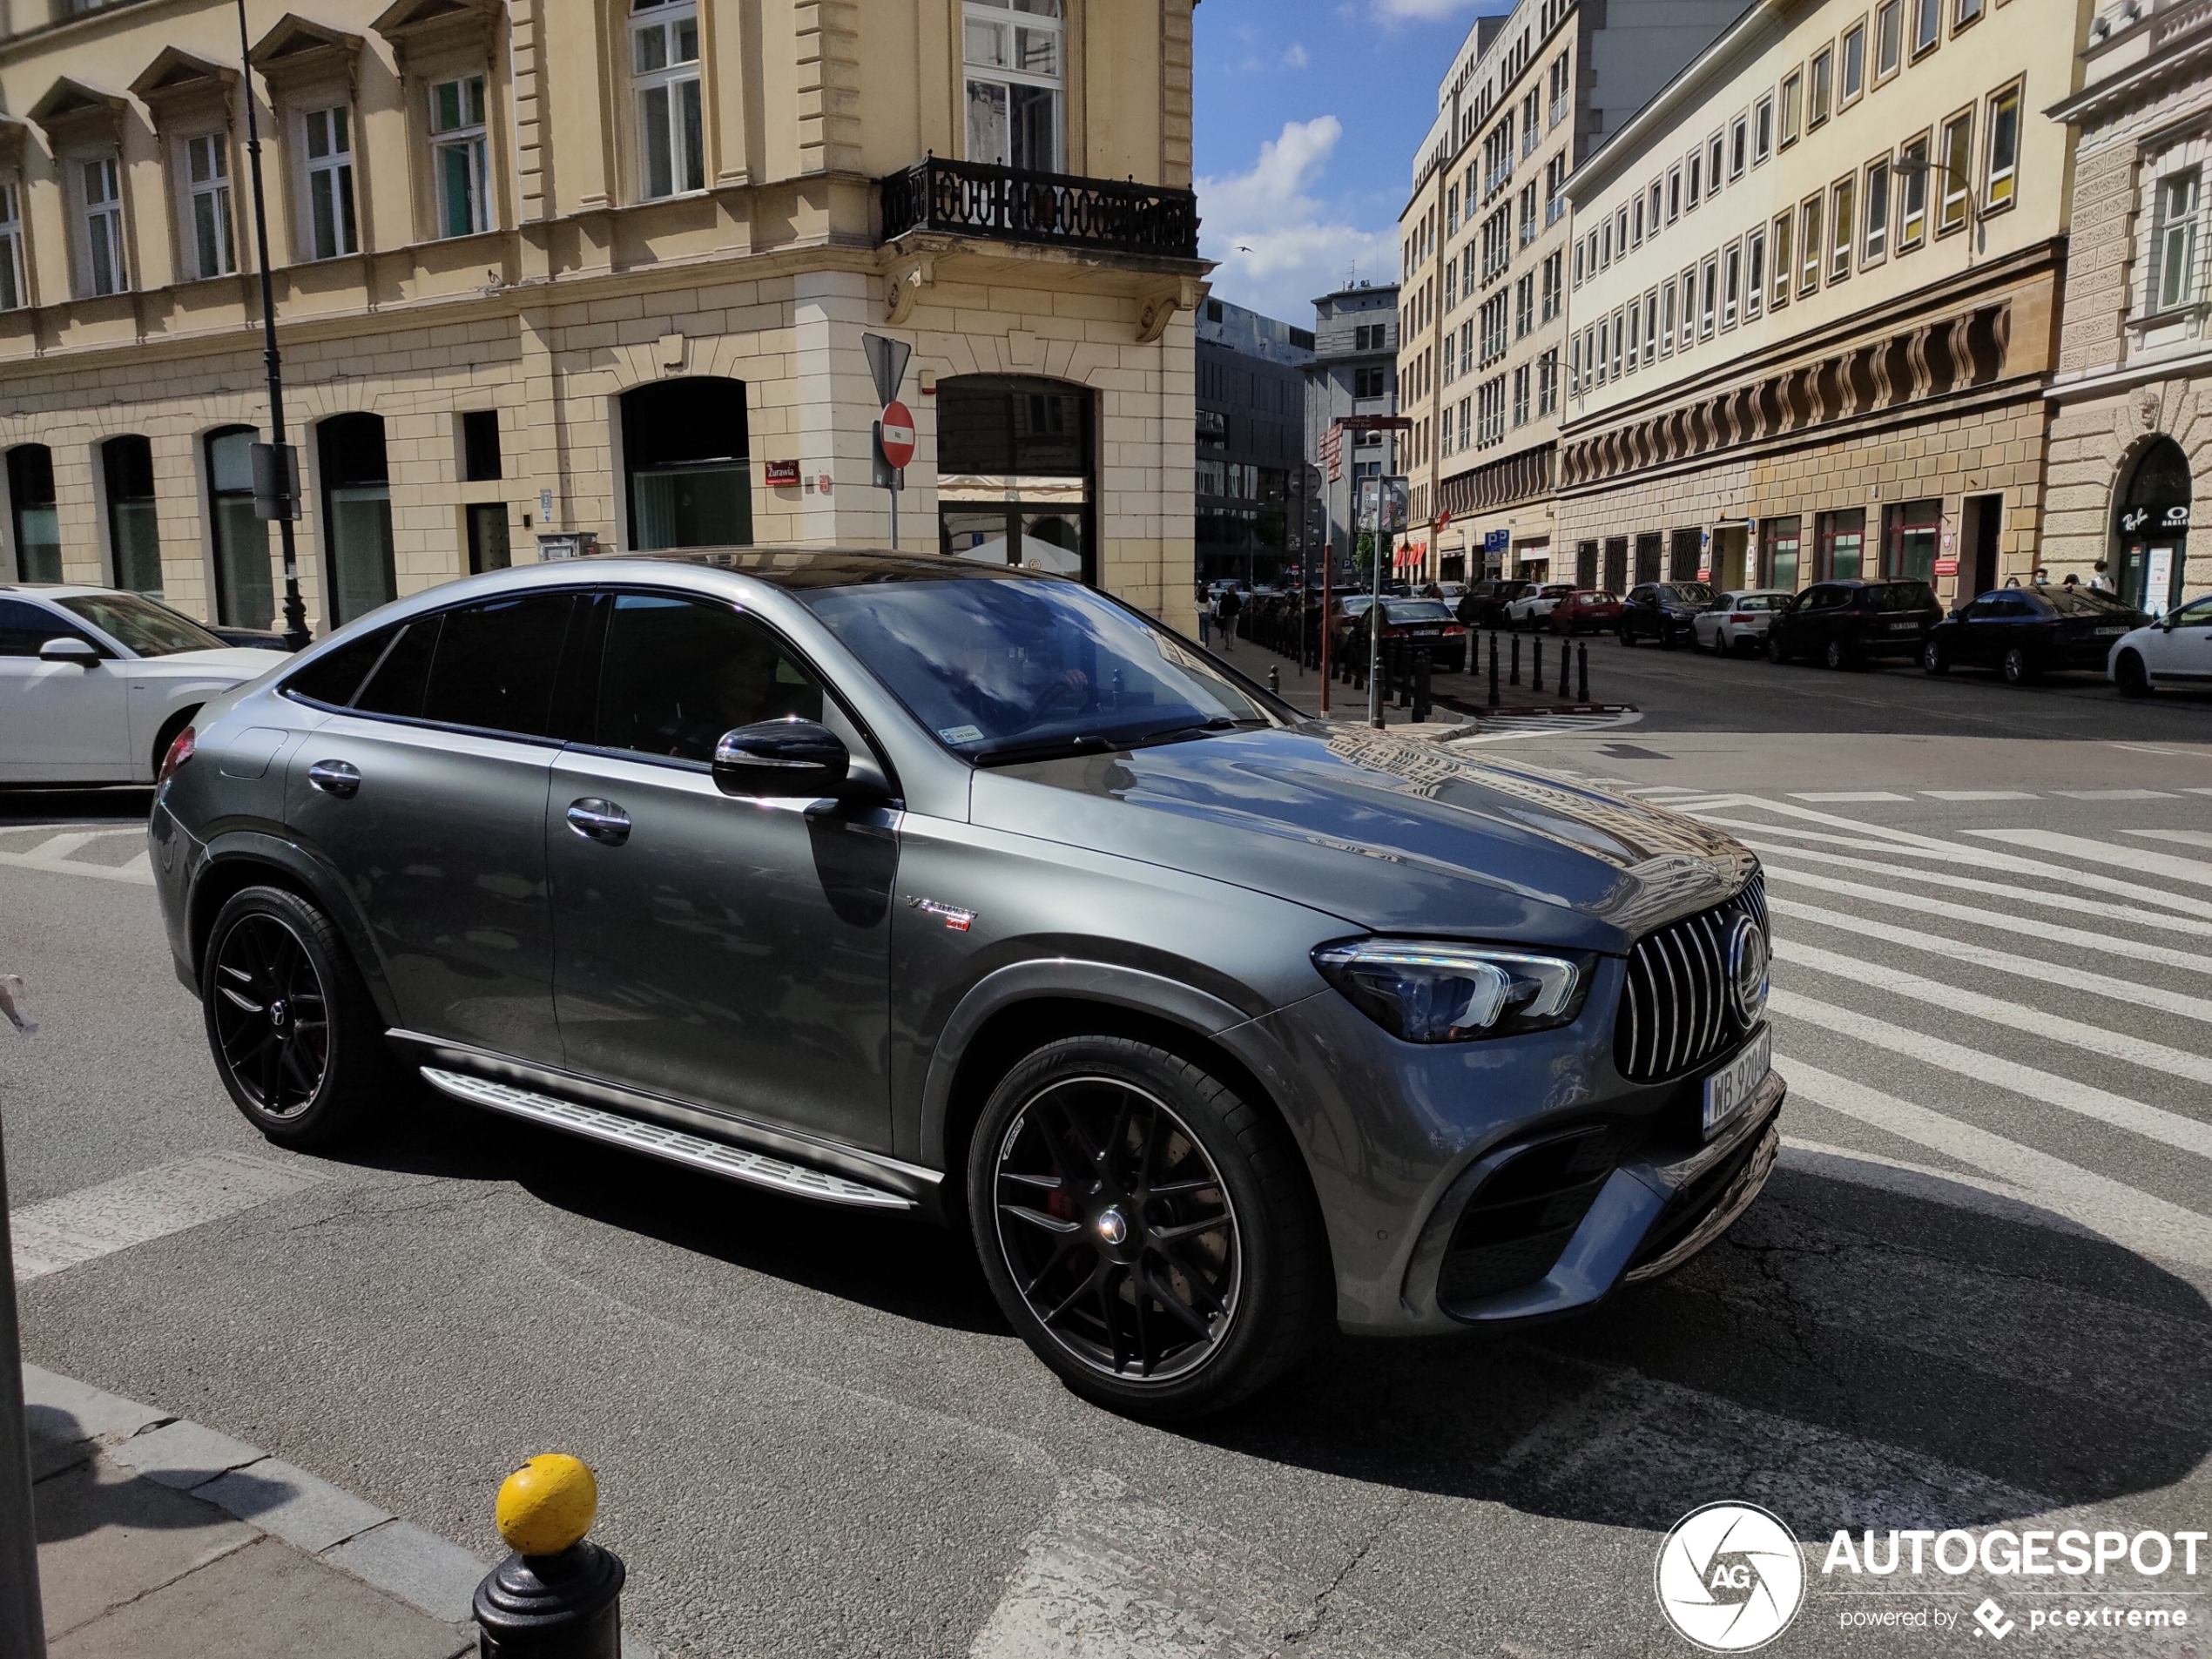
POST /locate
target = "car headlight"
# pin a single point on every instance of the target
(1432, 991)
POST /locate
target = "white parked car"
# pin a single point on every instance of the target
(2176, 649)
(95, 684)
(1534, 608)
(1737, 620)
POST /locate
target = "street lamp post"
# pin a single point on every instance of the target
(1919, 167)
(295, 609)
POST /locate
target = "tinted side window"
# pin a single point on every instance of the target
(677, 673)
(24, 628)
(334, 679)
(396, 686)
(497, 664)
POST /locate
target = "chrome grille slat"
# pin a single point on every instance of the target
(1675, 1011)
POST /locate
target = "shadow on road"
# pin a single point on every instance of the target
(75, 805)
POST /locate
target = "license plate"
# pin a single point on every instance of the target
(1900, 627)
(1729, 1089)
(2102, 631)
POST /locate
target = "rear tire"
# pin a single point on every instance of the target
(1774, 652)
(2017, 668)
(296, 1037)
(1837, 655)
(2130, 675)
(1627, 638)
(1150, 1234)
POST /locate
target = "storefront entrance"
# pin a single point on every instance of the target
(2152, 526)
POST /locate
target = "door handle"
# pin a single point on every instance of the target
(599, 820)
(338, 778)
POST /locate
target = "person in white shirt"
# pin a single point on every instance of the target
(2102, 580)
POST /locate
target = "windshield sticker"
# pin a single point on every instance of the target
(961, 733)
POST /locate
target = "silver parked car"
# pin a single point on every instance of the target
(915, 885)
(1736, 621)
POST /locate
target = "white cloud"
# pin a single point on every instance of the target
(1278, 247)
(1295, 57)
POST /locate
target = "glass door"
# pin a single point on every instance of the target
(244, 590)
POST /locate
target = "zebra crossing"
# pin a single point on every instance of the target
(102, 851)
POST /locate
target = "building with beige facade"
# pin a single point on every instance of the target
(594, 271)
(1483, 252)
(2131, 428)
(1816, 299)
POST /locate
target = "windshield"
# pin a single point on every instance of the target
(1006, 669)
(1356, 603)
(1689, 593)
(1417, 610)
(1900, 596)
(143, 627)
(2084, 601)
(1754, 602)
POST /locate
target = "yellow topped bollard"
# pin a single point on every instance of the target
(558, 1596)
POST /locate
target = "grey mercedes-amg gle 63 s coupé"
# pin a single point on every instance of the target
(917, 884)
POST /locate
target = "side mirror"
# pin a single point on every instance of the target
(790, 757)
(69, 649)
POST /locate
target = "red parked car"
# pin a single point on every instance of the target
(1587, 610)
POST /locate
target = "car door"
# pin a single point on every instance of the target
(2181, 653)
(64, 723)
(731, 953)
(426, 790)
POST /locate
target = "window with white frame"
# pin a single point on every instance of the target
(664, 71)
(106, 269)
(1731, 284)
(329, 149)
(1017, 68)
(13, 293)
(1877, 210)
(2004, 150)
(459, 156)
(207, 184)
(1755, 274)
(2174, 280)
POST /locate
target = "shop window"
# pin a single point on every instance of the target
(208, 186)
(244, 596)
(328, 142)
(1015, 472)
(686, 451)
(459, 156)
(1016, 73)
(356, 514)
(31, 505)
(1842, 536)
(1909, 540)
(1778, 553)
(664, 65)
(133, 536)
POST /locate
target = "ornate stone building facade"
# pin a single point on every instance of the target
(1816, 302)
(2132, 423)
(594, 269)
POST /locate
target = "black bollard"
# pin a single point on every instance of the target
(1421, 708)
(1494, 671)
(1583, 672)
(1515, 678)
(565, 1600)
(1405, 675)
(1536, 680)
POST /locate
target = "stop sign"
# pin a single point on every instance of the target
(898, 433)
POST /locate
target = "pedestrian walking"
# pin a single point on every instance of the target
(2042, 578)
(1205, 619)
(2102, 580)
(1231, 607)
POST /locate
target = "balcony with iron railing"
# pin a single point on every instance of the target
(1050, 209)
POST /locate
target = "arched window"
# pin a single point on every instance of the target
(1014, 473)
(356, 514)
(133, 538)
(686, 454)
(38, 526)
(245, 594)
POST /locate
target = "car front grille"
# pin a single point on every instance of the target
(1521, 1217)
(1674, 1009)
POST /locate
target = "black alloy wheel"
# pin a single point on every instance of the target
(2129, 674)
(1150, 1235)
(295, 1038)
(1933, 659)
(2019, 667)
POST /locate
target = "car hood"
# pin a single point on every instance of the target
(231, 663)
(1389, 833)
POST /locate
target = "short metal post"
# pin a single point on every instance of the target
(1421, 707)
(1582, 670)
(1536, 680)
(1515, 680)
(1406, 654)
(1494, 671)
(557, 1596)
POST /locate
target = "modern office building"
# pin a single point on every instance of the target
(1251, 435)
(1816, 299)
(594, 270)
(1354, 373)
(2131, 429)
(1484, 244)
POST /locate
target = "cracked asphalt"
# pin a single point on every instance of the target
(1972, 1296)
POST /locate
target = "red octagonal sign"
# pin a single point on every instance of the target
(898, 433)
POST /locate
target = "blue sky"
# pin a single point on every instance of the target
(1308, 113)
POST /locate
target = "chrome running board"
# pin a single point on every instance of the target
(658, 1141)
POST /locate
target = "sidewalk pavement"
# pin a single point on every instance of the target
(158, 1537)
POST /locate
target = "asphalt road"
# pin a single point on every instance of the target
(1974, 1295)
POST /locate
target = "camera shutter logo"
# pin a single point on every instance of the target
(1729, 1578)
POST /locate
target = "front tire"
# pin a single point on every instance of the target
(1933, 659)
(2018, 668)
(1837, 655)
(1627, 638)
(2129, 674)
(1775, 650)
(296, 1038)
(1150, 1233)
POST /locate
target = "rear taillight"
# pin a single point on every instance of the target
(1739, 616)
(179, 751)
(1451, 628)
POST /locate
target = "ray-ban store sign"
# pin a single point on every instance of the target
(2142, 521)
